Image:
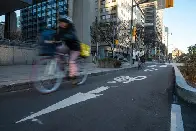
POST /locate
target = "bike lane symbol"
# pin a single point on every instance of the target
(126, 79)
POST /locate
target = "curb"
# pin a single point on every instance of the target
(29, 84)
(183, 90)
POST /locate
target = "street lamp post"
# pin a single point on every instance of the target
(168, 43)
(131, 49)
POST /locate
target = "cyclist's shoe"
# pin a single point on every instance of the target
(74, 80)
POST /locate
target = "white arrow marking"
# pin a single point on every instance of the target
(154, 69)
(38, 121)
(77, 98)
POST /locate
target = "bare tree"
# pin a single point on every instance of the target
(106, 32)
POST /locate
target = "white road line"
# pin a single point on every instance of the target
(154, 69)
(77, 98)
(163, 66)
(176, 118)
(111, 82)
(147, 70)
(152, 66)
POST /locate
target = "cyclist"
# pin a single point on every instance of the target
(67, 34)
(141, 55)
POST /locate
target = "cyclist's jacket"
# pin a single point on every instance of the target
(69, 36)
(141, 53)
(45, 48)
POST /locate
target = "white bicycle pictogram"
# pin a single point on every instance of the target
(127, 79)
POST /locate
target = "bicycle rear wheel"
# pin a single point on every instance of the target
(46, 75)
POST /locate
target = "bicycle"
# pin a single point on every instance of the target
(140, 64)
(50, 67)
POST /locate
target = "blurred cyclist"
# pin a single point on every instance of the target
(67, 34)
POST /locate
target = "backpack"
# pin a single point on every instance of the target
(46, 49)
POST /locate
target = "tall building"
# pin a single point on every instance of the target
(153, 17)
(165, 35)
(2, 25)
(34, 17)
(10, 24)
(18, 23)
(153, 25)
(118, 10)
(159, 23)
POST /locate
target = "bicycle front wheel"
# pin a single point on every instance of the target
(46, 75)
(82, 72)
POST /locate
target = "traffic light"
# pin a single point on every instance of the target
(134, 31)
(169, 3)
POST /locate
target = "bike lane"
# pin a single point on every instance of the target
(127, 84)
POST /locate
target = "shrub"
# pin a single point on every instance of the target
(109, 63)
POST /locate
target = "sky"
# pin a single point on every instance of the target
(181, 23)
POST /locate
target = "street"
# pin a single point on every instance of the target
(138, 100)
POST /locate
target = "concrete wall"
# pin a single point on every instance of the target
(10, 55)
(83, 14)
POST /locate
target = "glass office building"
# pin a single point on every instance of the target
(33, 18)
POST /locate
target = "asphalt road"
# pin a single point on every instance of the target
(122, 101)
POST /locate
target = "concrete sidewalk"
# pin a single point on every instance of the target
(14, 78)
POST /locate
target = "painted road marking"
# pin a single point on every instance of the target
(77, 98)
(126, 79)
(111, 82)
(154, 69)
(38, 121)
(176, 118)
(152, 66)
(148, 70)
(163, 66)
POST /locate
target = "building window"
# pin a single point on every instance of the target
(103, 3)
(114, 8)
(41, 13)
(103, 10)
(113, 15)
(107, 16)
(103, 17)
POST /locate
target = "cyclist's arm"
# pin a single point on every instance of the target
(51, 41)
(48, 41)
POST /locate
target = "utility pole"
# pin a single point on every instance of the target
(167, 43)
(131, 30)
(131, 50)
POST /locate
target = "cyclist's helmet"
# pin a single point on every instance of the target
(66, 20)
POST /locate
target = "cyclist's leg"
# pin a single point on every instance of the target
(60, 58)
(139, 62)
(73, 70)
(64, 50)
